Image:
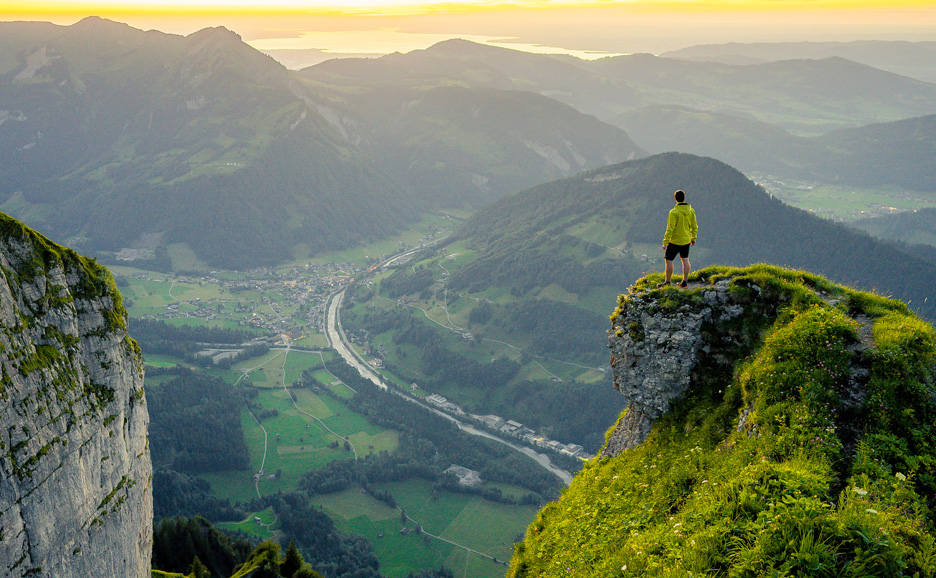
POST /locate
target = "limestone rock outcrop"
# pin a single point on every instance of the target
(75, 471)
(654, 350)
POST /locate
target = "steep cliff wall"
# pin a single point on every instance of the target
(75, 473)
(778, 424)
(655, 349)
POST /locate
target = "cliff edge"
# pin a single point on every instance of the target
(777, 424)
(75, 473)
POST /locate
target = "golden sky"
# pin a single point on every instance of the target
(581, 28)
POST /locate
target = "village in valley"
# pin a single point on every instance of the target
(511, 428)
(276, 302)
(285, 306)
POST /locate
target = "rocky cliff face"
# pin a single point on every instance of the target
(654, 350)
(75, 472)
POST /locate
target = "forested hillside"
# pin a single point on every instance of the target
(456, 146)
(916, 227)
(123, 138)
(508, 317)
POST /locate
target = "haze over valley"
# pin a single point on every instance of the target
(372, 294)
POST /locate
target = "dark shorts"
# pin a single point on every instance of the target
(673, 250)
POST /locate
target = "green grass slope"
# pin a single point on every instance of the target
(809, 453)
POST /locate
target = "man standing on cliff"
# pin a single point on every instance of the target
(681, 231)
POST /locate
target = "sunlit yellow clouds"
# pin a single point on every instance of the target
(570, 26)
(378, 7)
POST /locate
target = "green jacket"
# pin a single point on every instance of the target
(681, 228)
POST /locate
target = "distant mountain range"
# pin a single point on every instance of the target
(805, 96)
(113, 137)
(913, 59)
(830, 120)
(457, 146)
(895, 154)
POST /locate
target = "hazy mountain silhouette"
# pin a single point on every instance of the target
(112, 135)
(913, 59)
(896, 154)
(811, 96)
(457, 146)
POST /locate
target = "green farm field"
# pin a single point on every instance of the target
(297, 440)
(265, 371)
(159, 360)
(266, 529)
(399, 554)
(460, 519)
(312, 340)
(849, 203)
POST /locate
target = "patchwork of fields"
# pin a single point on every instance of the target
(303, 430)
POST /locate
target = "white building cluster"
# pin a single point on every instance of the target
(518, 430)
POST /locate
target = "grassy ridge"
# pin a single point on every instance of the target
(830, 471)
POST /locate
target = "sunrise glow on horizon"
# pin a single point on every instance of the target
(585, 28)
(380, 7)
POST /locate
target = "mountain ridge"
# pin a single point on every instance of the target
(895, 154)
(630, 199)
(913, 59)
(116, 137)
(771, 91)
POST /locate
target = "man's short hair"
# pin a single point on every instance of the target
(679, 196)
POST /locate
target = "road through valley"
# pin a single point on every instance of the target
(339, 343)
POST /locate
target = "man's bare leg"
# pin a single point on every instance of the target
(669, 270)
(686, 268)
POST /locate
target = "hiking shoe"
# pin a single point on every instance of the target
(664, 284)
(684, 284)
